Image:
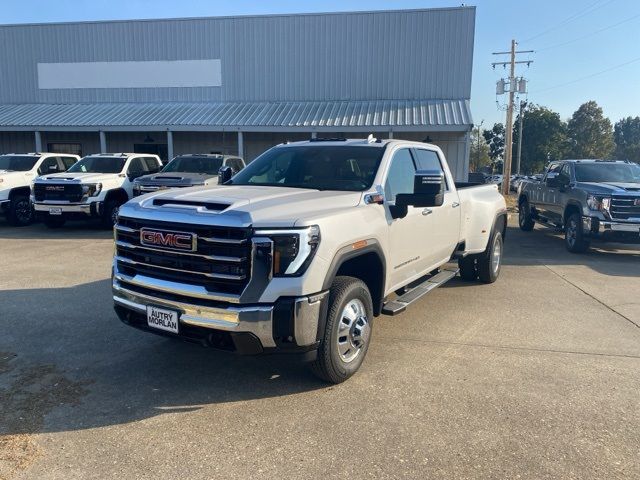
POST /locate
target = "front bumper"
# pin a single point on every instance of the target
(92, 209)
(290, 324)
(611, 231)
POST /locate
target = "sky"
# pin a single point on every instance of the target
(573, 40)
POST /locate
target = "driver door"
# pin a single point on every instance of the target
(406, 258)
(137, 168)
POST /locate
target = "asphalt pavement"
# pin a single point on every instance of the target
(536, 376)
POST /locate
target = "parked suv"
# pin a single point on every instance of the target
(301, 250)
(588, 199)
(95, 187)
(17, 171)
(187, 171)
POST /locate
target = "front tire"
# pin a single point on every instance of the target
(20, 211)
(347, 333)
(110, 214)
(574, 238)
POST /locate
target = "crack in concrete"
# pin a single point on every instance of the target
(591, 296)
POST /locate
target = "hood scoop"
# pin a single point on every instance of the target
(60, 178)
(218, 207)
(167, 177)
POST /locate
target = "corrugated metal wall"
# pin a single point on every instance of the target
(420, 54)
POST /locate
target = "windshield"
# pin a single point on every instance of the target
(608, 172)
(193, 164)
(99, 165)
(345, 168)
(17, 163)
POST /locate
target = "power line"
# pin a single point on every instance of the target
(589, 76)
(562, 44)
(587, 10)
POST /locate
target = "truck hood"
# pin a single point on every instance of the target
(79, 177)
(177, 179)
(610, 187)
(240, 205)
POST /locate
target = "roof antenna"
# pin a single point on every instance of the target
(371, 138)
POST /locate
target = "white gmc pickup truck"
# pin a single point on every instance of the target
(301, 250)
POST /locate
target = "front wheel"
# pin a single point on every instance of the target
(20, 211)
(347, 333)
(110, 214)
(574, 238)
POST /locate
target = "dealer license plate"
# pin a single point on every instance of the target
(162, 319)
(55, 211)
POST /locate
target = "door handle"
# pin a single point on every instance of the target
(427, 211)
(455, 205)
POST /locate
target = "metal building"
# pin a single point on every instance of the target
(238, 84)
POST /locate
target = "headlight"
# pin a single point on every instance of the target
(598, 203)
(91, 189)
(293, 249)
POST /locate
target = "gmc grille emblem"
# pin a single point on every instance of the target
(55, 188)
(170, 240)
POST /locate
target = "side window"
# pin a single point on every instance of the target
(136, 168)
(235, 164)
(401, 175)
(49, 165)
(68, 162)
(152, 165)
(429, 160)
(564, 176)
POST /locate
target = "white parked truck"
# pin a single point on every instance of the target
(301, 250)
(17, 171)
(95, 187)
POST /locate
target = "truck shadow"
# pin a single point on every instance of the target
(544, 246)
(71, 230)
(68, 363)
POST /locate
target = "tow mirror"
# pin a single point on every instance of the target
(552, 180)
(428, 190)
(224, 175)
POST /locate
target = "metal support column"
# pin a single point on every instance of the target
(38, 139)
(240, 145)
(103, 142)
(169, 145)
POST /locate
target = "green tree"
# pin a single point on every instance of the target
(626, 134)
(479, 155)
(495, 140)
(590, 133)
(544, 138)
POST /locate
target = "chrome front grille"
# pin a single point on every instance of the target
(220, 263)
(625, 208)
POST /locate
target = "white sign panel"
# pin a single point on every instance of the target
(154, 74)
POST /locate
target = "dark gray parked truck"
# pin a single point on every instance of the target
(588, 199)
(187, 171)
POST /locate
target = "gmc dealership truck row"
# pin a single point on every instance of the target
(17, 171)
(301, 250)
(94, 187)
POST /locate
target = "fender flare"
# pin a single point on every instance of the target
(19, 191)
(117, 192)
(349, 253)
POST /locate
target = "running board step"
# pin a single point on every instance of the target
(399, 305)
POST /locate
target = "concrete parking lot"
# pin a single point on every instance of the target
(536, 376)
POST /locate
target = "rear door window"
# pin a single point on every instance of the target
(429, 160)
(49, 165)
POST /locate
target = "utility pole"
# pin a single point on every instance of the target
(478, 150)
(523, 105)
(508, 137)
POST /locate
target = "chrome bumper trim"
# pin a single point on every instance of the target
(605, 226)
(65, 207)
(257, 320)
